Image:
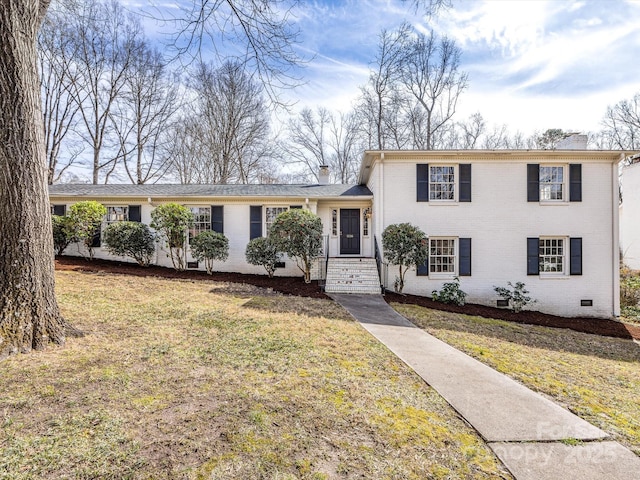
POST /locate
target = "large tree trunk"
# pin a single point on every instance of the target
(29, 315)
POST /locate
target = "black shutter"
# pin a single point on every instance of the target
(135, 214)
(60, 210)
(464, 248)
(422, 182)
(217, 218)
(533, 182)
(423, 270)
(533, 256)
(575, 252)
(255, 222)
(464, 171)
(575, 182)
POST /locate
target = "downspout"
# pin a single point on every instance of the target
(615, 236)
(380, 198)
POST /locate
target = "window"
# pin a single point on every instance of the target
(442, 256)
(554, 256)
(446, 257)
(366, 215)
(334, 222)
(551, 255)
(441, 183)
(60, 210)
(551, 183)
(201, 221)
(270, 215)
(117, 214)
(554, 183)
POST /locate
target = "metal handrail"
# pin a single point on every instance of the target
(379, 264)
(322, 280)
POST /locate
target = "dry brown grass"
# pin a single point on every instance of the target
(181, 379)
(598, 378)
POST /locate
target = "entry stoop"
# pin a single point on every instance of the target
(352, 275)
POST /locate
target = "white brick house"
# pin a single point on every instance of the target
(546, 218)
(241, 212)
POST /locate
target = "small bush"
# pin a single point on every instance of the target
(298, 233)
(171, 220)
(62, 235)
(84, 221)
(516, 295)
(629, 288)
(450, 293)
(130, 239)
(404, 245)
(210, 246)
(263, 251)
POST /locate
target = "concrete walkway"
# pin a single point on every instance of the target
(524, 429)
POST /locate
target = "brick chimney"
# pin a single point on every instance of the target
(574, 141)
(323, 176)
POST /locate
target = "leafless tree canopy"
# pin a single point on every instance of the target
(622, 124)
(322, 138)
(55, 54)
(224, 138)
(413, 90)
(259, 34)
(142, 113)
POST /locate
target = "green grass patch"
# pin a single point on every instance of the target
(203, 380)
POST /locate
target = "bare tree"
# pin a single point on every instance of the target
(622, 124)
(306, 145)
(380, 100)
(29, 314)
(55, 51)
(108, 40)
(345, 146)
(226, 133)
(141, 114)
(472, 130)
(430, 72)
(260, 34)
(323, 138)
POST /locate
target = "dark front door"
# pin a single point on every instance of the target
(350, 231)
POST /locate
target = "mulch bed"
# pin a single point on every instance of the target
(296, 286)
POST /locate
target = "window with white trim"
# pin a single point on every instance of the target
(201, 221)
(552, 255)
(116, 214)
(552, 180)
(334, 222)
(270, 214)
(442, 182)
(366, 214)
(442, 256)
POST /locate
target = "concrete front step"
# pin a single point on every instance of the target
(352, 275)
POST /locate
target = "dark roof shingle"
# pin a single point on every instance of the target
(166, 190)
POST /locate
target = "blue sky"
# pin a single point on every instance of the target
(532, 64)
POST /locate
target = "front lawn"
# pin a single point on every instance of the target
(205, 380)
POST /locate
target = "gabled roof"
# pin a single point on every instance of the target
(166, 190)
